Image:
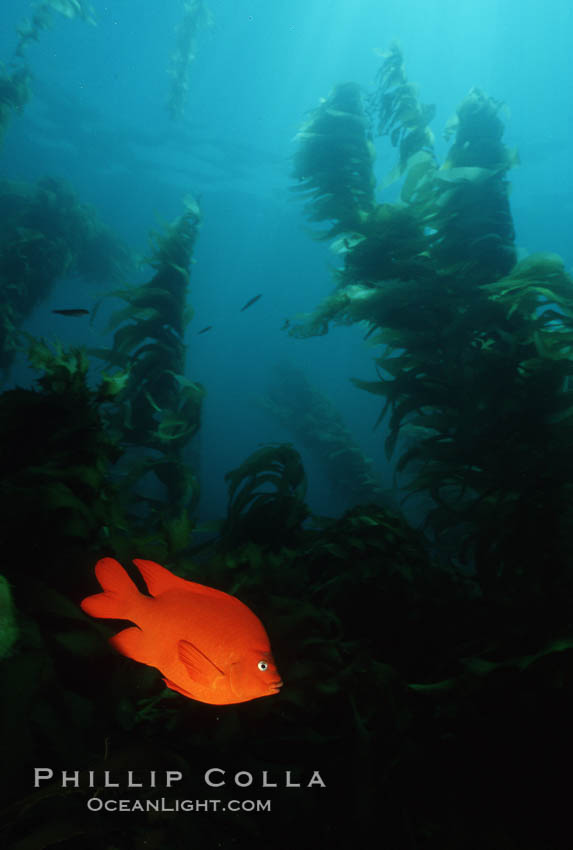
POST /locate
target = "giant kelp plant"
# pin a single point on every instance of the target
(158, 408)
(476, 352)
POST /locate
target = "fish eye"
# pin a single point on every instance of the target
(263, 665)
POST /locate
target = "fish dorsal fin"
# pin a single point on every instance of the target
(199, 666)
(158, 579)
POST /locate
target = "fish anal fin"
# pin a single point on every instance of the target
(180, 690)
(131, 642)
(199, 666)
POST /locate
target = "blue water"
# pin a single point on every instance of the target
(98, 118)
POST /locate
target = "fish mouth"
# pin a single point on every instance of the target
(275, 687)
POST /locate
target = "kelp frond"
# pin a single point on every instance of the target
(64, 369)
(30, 29)
(334, 163)
(266, 495)
(397, 112)
(478, 129)
(466, 202)
(535, 284)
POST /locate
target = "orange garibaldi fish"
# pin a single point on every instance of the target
(208, 645)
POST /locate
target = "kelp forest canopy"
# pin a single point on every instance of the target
(475, 349)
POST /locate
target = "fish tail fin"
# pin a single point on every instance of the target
(120, 594)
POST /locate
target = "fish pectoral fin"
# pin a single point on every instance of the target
(174, 687)
(199, 666)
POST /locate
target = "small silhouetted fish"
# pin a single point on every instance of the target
(250, 301)
(74, 312)
(286, 324)
(204, 330)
